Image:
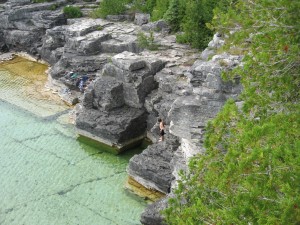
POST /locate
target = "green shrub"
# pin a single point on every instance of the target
(159, 10)
(143, 6)
(175, 14)
(72, 12)
(110, 7)
(147, 42)
(53, 7)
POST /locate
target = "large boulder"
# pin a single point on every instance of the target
(152, 214)
(89, 44)
(120, 128)
(141, 18)
(136, 73)
(152, 167)
(121, 43)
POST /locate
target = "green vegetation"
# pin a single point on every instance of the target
(110, 7)
(72, 12)
(250, 173)
(54, 6)
(147, 42)
(187, 16)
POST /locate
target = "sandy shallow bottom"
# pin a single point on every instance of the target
(47, 177)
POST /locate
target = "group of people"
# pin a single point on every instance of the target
(80, 81)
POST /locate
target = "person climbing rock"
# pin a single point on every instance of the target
(161, 129)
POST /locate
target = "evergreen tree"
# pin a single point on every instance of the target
(159, 10)
(250, 173)
(175, 14)
(197, 14)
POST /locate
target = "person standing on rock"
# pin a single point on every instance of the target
(161, 129)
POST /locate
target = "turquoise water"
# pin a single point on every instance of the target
(47, 177)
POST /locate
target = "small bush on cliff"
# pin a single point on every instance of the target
(147, 42)
(110, 7)
(72, 12)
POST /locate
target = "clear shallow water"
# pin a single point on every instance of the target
(47, 177)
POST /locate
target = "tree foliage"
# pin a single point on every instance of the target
(110, 7)
(187, 16)
(72, 12)
(250, 173)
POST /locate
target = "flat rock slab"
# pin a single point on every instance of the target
(128, 61)
(119, 128)
(82, 27)
(152, 167)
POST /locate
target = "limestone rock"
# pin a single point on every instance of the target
(152, 215)
(81, 27)
(128, 61)
(119, 18)
(89, 44)
(107, 93)
(159, 25)
(118, 128)
(122, 43)
(80, 64)
(190, 114)
(141, 18)
(152, 167)
(137, 76)
(24, 24)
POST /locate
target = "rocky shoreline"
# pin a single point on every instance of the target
(129, 87)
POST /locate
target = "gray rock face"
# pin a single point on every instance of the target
(141, 18)
(81, 64)
(137, 76)
(152, 216)
(189, 115)
(113, 111)
(152, 167)
(24, 24)
(187, 100)
(119, 18)
(159, 25)
(89, 44)
(117, 128)
(107, 93)
(121, 43)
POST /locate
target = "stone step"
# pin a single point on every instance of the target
(120, 44)
(83, 26)
(89, 44)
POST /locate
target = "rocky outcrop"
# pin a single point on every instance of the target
(141, 18)
(113, 109)
(152, 168)
(152, 214)
(24, 24)
(195, 99)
